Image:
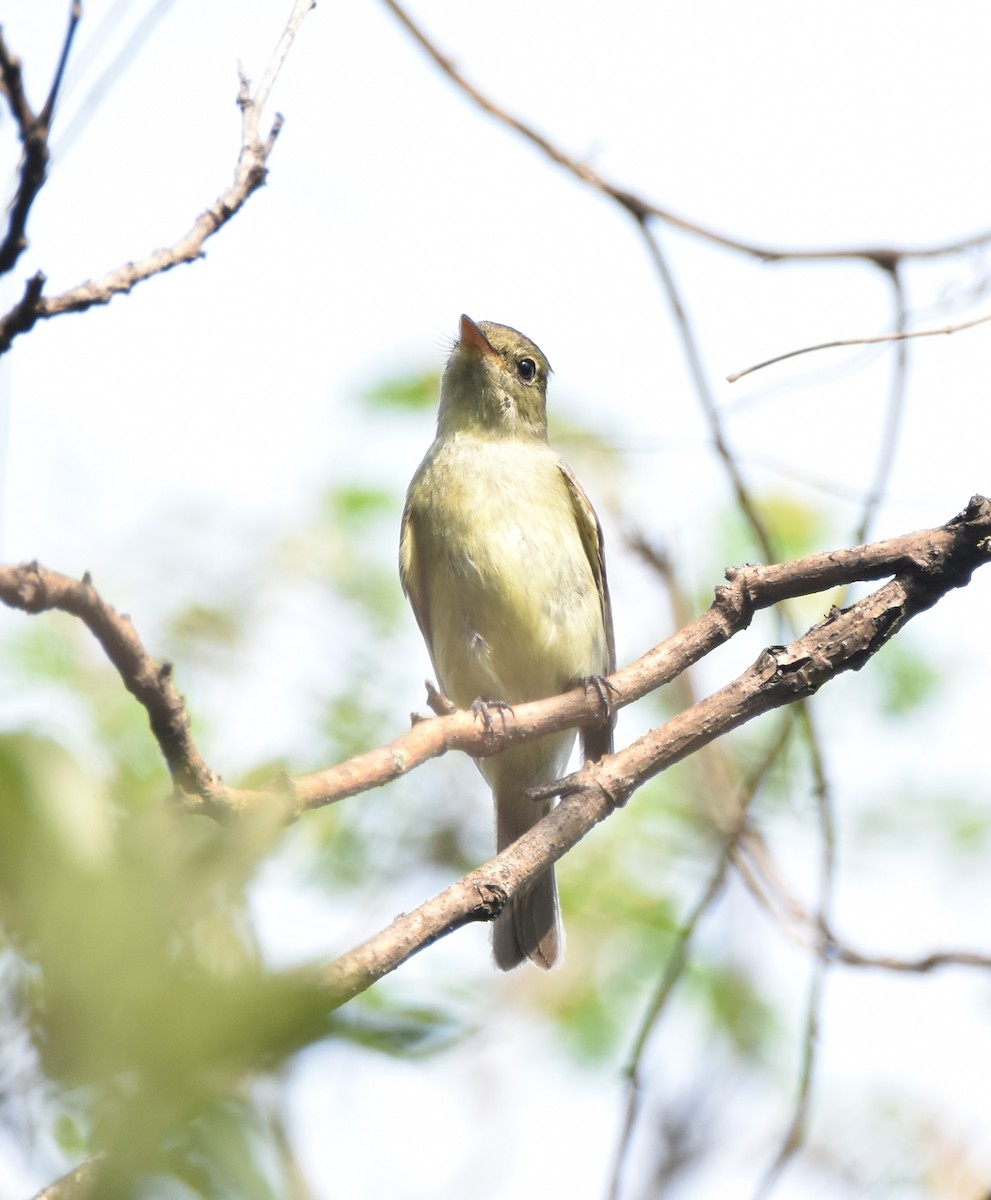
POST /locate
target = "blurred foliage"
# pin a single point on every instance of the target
(136, 974)
(128, 960)
(202, 628)
(796, 528)
(908, 678)
(55, 664)
(958, 822)
(736, 1006)
(405, 393)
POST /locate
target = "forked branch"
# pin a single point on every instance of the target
(925, 565)
(249, 175)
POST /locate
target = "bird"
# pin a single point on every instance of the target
(501, 557)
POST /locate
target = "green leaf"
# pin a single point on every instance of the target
(735, 1005)
(149, 999)
(795, 528)
(356, 502)
(406, 393)
(908, 678)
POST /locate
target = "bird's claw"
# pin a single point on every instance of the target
(485, 708)
(604, 690)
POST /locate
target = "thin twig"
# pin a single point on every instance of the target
(898, 336)
(674, 967)
(34, 590)
(300, 10)
(795, 1134)
(763, 880)
(934, 960)
(762, 534)
(893, 415)
(702, 389)
(103, 84)
(678, 957)
(640, 207)
(75, 16)
(249, 175)
(33, 130)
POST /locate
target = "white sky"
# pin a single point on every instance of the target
(392, 206)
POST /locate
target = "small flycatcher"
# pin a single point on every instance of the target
(501, 558)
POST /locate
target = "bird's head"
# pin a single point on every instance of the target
(495, 383)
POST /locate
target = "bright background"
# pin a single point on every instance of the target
(155, 442)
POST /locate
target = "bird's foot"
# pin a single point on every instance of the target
(485, 709)
(605, 691)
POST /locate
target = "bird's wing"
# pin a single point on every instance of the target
(411, 577)
(590, 532)
(595, 741)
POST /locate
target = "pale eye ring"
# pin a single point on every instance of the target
(526, 368)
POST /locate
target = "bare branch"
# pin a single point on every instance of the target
(674, 967)
(926, 555)
(934, 960)
(77, 1184)
(690, 346)
(843, 641)
(34, 590)
(249, 175)
(756, 867)
(33, 130)
(794, 1136)
(930, 562)
(641, 208)
(75, 16)
(299, 12)
(898, 336)
(893, 415)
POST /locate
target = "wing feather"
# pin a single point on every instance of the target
(596, 741)
(411, 577)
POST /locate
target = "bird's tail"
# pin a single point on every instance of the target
(529, 927)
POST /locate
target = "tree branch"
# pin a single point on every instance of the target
(249, 175)
(900, 335)
(703, 390)
(844, 641)
(640, 208)
(927, 564)
(756, 868)
(35, 590)
(77, 1184)
(33, 130)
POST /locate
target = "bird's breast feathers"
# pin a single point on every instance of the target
(506, 594)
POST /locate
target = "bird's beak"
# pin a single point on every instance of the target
(473, 338)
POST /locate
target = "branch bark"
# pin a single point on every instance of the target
(926, 565)
(33, 129)
(34, 590)
(249, 175)
(885, 257)
(929, 567)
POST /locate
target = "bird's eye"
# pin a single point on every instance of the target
(526, 368)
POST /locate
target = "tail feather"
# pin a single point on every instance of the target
(596, 742)
(529, 927)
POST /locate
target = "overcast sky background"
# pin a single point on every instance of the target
(208, 407)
